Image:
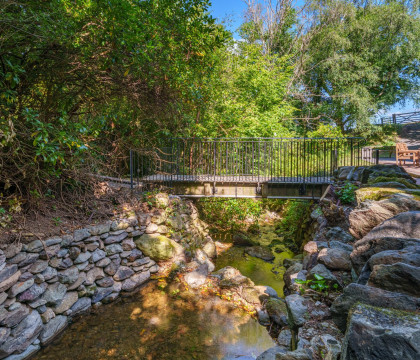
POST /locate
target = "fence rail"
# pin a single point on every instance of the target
(396, 119)
(255, 160)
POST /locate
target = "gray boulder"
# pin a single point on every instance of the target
(271, 353)
(356, 293)
(396, 233)
(375, 333)
(335, 259)
(297, 310)
(398, 277)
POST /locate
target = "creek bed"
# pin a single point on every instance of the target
(168, 323)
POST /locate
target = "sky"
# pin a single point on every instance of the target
(231, 12)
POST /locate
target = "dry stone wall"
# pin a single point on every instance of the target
(45, 284)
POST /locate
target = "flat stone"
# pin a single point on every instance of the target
(100, 228)
(52, 329)
(93, 275)
(7, 272)
(198, 277)
(22, 335)
(80, 280)
(375, 333)
(49, 273)
(83, 266)
(297, 310)
(92, 246)
(356, 293)
(9, 282)
(98, 255)
(113, 249)
(38, 266)
(111, 269)
(74, 252)
(135, 281)
(26, 276)
(68, 300)
(27, 354)
(140, 262)
(123, 273)
(134, 255)
(64, 263)
(20, 287)
(34, 292)
(81, 234)
(37, 303)
(335, 259)
(14, 317)
(29, 259)
(66, 241)
(18, 258)
(144, 219)
(103, 263)
(84, 256)
(12, 250)
(105, 282)
(101, 294)
(68, 276)
(47, 315)
(34, 246)
(115, 239)
(151, 228)
(54, 293)
(81, 306)
(110, 298)
(128, 244)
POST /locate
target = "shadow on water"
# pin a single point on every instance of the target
(158, 325)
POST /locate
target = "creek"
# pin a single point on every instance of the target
(167, 321)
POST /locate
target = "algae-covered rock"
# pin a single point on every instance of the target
(277, 310)
(385, 334)
(385, 171)
(158, 247)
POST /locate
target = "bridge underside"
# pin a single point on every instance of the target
(242, 186)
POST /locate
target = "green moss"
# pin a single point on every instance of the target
(376, 194)
(400, 180)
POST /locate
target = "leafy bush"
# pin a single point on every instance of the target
(347, 193)
(319, 284)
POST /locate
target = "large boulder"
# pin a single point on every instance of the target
(260, 252)
(158, 247)
(277, 310)
(409, 255)
(398, 232)
(398, 277)
(297, 308)
(388, 171)
(372, 213)
(385, 334)
(356, 293)
(335, 259)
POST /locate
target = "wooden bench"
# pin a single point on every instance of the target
(403, 154)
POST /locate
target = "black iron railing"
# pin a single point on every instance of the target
(402, 118)
(256, 160)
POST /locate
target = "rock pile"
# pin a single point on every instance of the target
(374, 257)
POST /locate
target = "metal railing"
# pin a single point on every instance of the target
(402, 118)
(240, 160)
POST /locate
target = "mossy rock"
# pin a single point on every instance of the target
(277, 310)
(158, 247)
(385, 172)
(396, 179)
(376, 193)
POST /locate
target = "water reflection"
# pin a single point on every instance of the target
(156, 324)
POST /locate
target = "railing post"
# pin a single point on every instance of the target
(377, 157)
(394, 119)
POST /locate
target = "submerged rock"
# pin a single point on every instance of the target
(375, 333)
(260, 252)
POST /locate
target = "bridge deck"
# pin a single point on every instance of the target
(241, 179)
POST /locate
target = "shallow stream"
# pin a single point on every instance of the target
(169, 322)
(158, 324)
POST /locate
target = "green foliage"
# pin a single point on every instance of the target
(294, 214)
(319, 284)
(361, 59)
(347, 193)
(229, 213)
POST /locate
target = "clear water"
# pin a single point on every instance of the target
(160, 324)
